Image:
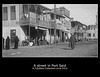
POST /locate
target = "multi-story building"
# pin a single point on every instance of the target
(31, 21)
(63, 22)
(79, 29)
(10, 17)
(21, 20)
(92, 32)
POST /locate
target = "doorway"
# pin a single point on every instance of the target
(12, 35)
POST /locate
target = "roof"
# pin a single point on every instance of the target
(91, 26)
(44, 7)
(74, 23)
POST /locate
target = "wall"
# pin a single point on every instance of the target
(9, 22)
(12, 24)
(92, 32)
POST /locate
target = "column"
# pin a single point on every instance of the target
(50, 35)
(60, 36)
(64, 37)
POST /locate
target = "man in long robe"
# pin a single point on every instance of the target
(3, 42)
(16, 42)
(7, 42)
(72, 42)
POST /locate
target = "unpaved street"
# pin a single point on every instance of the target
(82, 49)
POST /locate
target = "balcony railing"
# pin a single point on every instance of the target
(24, 20)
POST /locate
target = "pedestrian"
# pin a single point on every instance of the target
(72, 41)
(38, 41)
(7, 42)
(31, 42)
(3, 42)
(16, 40)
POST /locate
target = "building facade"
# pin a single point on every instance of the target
(32, 21)
(10, 17)
(92, 32)
(79, 30)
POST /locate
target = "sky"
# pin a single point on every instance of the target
(85, 13)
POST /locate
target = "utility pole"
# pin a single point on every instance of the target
(50, 30)
(55, 23)
(29, 19)
(36, 8)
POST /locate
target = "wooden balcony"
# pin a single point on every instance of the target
(42, 23)
(24, 20)
(32, 21)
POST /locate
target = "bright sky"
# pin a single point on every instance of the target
(85, 13)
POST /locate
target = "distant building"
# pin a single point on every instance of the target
(79, 30)
(63, 23)
(92, 32)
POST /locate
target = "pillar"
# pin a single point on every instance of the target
(50, 36)
(54, 35)
(60, 36)
(64, 37)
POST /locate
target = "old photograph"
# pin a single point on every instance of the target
(50, 30)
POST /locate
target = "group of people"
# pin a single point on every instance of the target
(72, 41)
(7, 46)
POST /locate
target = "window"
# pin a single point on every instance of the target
(44, 17)
(25, 9)
(52, 16)
(52, 32)
(5, 13)
(48, 17)
(89, 34)
(57, 17)
(93, 35)
(12, 34)
(13, 13)
(32, 8)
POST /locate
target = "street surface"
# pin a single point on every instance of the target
(82, 49)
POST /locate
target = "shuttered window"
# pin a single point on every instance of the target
(13, 13)
(4, 13)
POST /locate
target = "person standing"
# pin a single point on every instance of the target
(16, 42)
(3, 42)
(72, 42)
(38, 41)
(7, 42)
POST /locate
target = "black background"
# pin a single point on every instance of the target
(79, 66)
(75, 65)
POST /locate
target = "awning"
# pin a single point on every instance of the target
(42, 28)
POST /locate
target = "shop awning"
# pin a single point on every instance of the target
(42, 28)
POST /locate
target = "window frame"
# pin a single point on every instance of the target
(3, 13)
(12, 12)
(93, 34)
